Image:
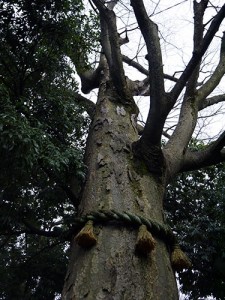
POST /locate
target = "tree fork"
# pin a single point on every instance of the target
(115, 180)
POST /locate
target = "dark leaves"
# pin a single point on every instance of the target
(196, 209)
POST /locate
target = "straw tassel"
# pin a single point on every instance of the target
(179, 259)
(86, 237)
(145, 241)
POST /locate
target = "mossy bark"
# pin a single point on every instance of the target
(116, 180)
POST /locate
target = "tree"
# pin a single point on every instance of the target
(195, 210)
(128, 168)
(129, 173)
(41, 152)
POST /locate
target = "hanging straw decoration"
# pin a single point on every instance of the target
(145, 241)
(179, 259)
(86, 237)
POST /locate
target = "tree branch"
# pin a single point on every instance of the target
(199, 10)
(178, 143)
(188, 113)
(141, 69)
(215, 78)
(211, 101)
(88, 105)
(158, 104)
(70, 194)
(110, 40)
(197, 55)
(135, 65)
(213, 154)
(90, 79)
(35, 230)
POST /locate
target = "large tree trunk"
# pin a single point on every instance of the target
(115, 180)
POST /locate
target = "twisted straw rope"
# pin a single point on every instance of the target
(162, 231)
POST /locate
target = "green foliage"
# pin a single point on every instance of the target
(196, 209)
(42, 139)
(39, 116)
(31, 268)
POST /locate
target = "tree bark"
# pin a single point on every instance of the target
(116, 180)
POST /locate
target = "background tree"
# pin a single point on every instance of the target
(195, 210)
(42, 127)
(127, 167)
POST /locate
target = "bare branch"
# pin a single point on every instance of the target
(197, 55)
(135, 65)
(90, 80)
(141, 69)
(140, 128)
(199, 10)
(158, 107)
(188, 112)
(215, 78)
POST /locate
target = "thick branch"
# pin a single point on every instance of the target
(142, 87)
(211, 101)
(158, 112)
(111, 47)
(188, 114)
(175, 148)
(199, 9)
(213, 154)
(90, 79)
(197, 55)
(135, 65)
(105, 40)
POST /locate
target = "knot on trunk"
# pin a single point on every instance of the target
(151, 155)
